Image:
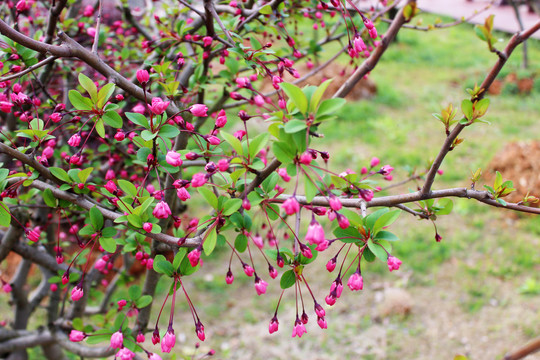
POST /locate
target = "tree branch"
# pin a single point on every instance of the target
(490, 77)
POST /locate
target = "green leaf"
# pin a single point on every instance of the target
(317, 95)
(135, 220)
(104, 94)
(294, 126)
(480, 107)
(498, 181)
(138, 119)
(240, 243)
(168, 131)
(60, 174)
(108, 244)
(231, 206)
(377, 250)
(445, 206)
(100, 127)
(83, 174)
(108, 232)
(87, 230)
(163, 266)
(287, 279)
(49, 198)
(148, 135)
(385, 235)
(78, 101)
(143, 301)
(5, 217)
(186, 268)
(112, 119)
(209, 196)
(258, 143)
(209, 243)
(283, 152)
(96, 218)
(386, 220)
(266, 10)
(89, 86)
(296, 95)
(370, 220)
(179, 257)
(96, 339)
(310, 189)
(134, 292)
(233, 141)
(467, 108)
(127, 187)
(330, 106)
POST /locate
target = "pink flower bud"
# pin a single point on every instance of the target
(142, 76)
(147, 227)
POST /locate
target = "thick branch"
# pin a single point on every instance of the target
(394, 200)
(370, 63)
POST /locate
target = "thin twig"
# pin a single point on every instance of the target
(30, 68)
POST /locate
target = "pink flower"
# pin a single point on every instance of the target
(55, 117)
(100, 265)
(119, 136)
(183, 194)
(125, 354)
(319, 310)
(306, 158)
(77, 293)
(173, 158)
(242, 82)
(272, 271)
(323, 245)
(258, 241)
(336, 288)
(7, 288)
(260, 285)
(88, 11)
(259, 100)
(199, 328)
(343, 222)
(194, 257)
(229, 278)
(54, 287)
(155, 336)
(162, 210)
(291, 206)
(335, 203)
(248, 270)
(299, 329)
(359, 44)
(221, 119)
(147, 227)
(330, 299)
(393, 263)
(154, 356)
(315, 233)
(5, 106)
(274, 325)
(213, 140)
(283, 173)
(223, 165)
(207, 41)
(374, 162)
(76, 336)
(331, 265)
(168, 341)
(306, 251)
(386, 170)
(321, 321)
(355, 282)
(109, 175)
(33, 235)
(117, 339)
(74, 140)
(139, 108)
(142, 76)
(158, 106)
(110, 186)
(239, 134)
(198, 180)
(198, 110)
(121, 303)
